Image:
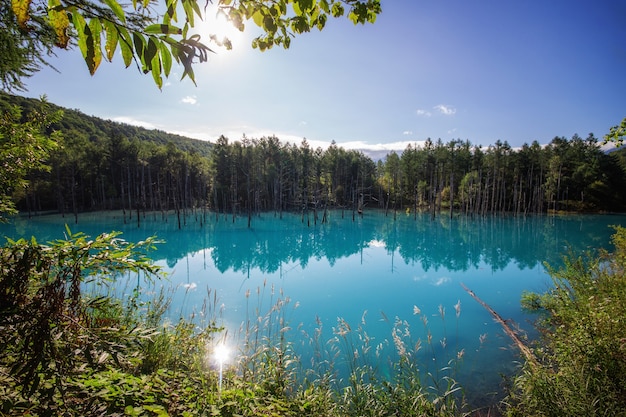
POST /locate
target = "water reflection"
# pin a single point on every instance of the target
(456, 244)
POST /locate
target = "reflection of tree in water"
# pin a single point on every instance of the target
(457, 243)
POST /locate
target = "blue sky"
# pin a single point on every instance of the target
(481, 70)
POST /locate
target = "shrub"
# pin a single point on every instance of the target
(583, 345)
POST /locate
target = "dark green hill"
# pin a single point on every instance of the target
(96, 128)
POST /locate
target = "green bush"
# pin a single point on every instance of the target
(582, 351)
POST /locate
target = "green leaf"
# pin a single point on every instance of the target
(371, 17)
(269, 25)
(166, 58)
(155, 67)
(321, 21)
(189, 13)
(93, 45)
(297, 9)
(324, 6)
(112, 38)
(79, 24)
(150, 52)
(353, 17)
(140, 44)
(161, 28)
(57, 16)
(117, 9)
(257, 17)
(337, 10)
(125, 46)
(171, 11)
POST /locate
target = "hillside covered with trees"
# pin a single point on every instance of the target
(103, 165)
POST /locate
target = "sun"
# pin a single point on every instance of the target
(216, 30)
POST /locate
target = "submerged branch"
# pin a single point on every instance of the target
(528, 354)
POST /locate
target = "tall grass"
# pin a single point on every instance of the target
(347, 373)
(582, 352)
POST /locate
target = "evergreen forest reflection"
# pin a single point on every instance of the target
(456, 244)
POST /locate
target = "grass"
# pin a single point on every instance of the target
(582, 351)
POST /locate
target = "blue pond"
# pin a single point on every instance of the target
(365, 275)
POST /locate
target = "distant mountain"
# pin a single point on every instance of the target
(75, 120)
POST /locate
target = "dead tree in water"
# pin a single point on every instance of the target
(528, 354)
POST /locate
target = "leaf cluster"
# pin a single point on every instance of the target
(47, 327)
(23, 51)
(282, 20)
(616, 134)
(24, 147)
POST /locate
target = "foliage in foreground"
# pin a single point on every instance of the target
(66, 352)
(583, 347)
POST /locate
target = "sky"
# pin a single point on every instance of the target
(481, 70)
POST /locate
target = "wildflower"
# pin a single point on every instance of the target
(416, 310)
(457, 308)
(460, 354)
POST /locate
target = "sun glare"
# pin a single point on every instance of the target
(217, 30)
(221, 353)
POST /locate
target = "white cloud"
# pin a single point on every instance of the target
(376, 243)
(407, 133)
(441, 281)
(421, 112)
(189, 100)
(133, 122)
(445, 109)
(236, 132)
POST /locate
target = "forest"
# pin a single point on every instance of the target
(104, 165)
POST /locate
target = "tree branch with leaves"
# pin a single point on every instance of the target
(616, 134)
(155, 34)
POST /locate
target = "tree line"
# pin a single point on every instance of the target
(102, 165)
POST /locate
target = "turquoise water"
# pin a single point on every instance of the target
(368, 272)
